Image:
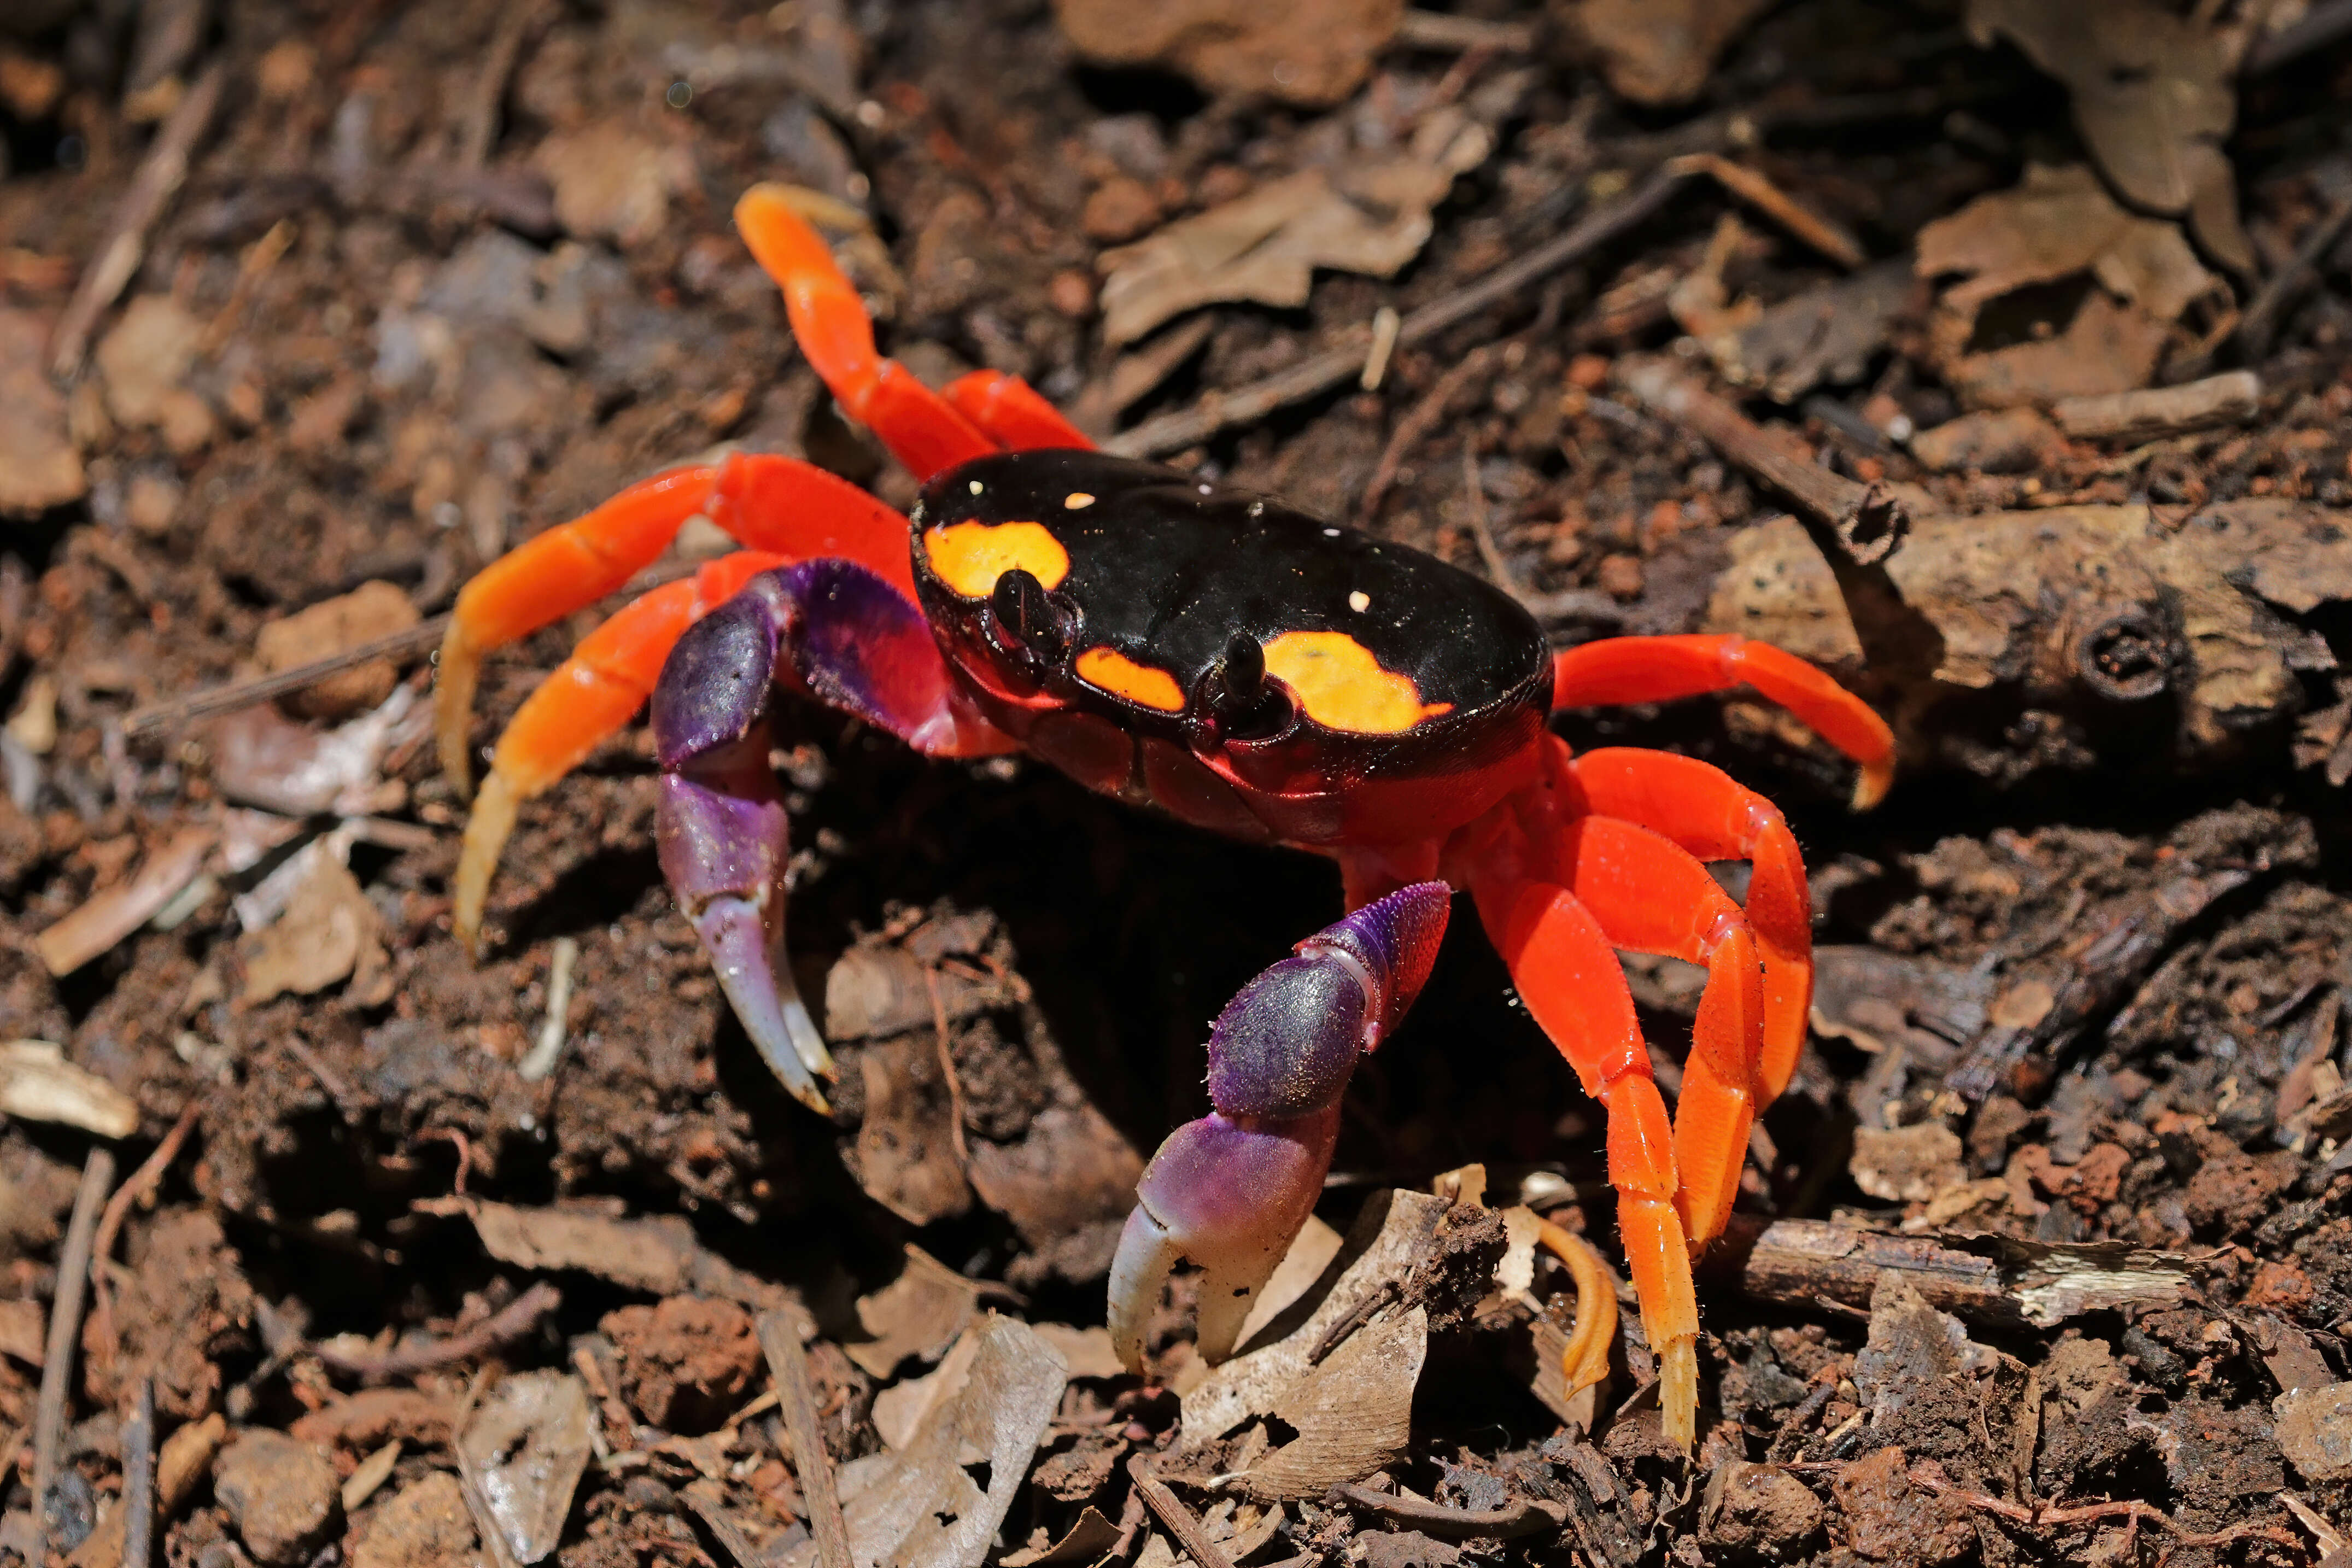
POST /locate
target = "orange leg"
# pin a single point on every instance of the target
(1009, 409)
(922, 429)
(579, 707)
(770, 503)
(1703, 809)
(1568, 975)
(1651, 897)
(1658, 670)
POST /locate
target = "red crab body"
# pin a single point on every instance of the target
(1244, 668)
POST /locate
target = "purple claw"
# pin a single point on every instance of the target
(1231, 1190)
(849, 638)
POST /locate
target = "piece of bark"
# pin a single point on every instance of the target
(1995, 1280)
(2231, 398)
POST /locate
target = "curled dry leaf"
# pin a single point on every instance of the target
(1356, 1398)
(375, 609)
(330, 931)
(1265, 247)
(521, 1457)
(938, 1502)
(922, 1312)
(262, 758)
(38, 1084)
(2152, 93)
(2139, 277)
(1315, 52)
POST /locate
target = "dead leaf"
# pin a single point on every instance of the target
(522, 1457)
(1380, 1247)
(1315, 52)
(1088, 1541)
(922, 1312)
(1265, 247)
(1072, 1169)
(1087, 1350)
(905, 1155)
(108, 916)
(24, 1332)
(38, 1084)
(2137, 278)
(658, 1254)
(1654, 52)
(39, 464)
(330, 931)
(1826, 334)
(877, 989)
(612, 182)
(1353, 1413)
(2152, 93)
(901, 1410)
(940, 1501)
(262, 758)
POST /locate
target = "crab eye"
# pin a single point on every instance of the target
(1237, 696)
(1027, 621)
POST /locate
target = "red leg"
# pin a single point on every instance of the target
(922, 429)
(771, 504)
(1009, 409)
(1658, 670)
(580, 705)
(1651, 897)
(1704, 810)
(1568, 975)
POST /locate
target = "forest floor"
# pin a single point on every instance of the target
(1997, 357)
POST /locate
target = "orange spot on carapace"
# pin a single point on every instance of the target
(1342, 687)
(1110, 670)
(971, 556)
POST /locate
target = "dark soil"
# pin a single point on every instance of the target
(407, 361)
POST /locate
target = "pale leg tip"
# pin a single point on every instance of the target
(1678, 1393)
(1870, 786)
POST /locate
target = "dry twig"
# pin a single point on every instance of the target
(65, 1328)
(1525, 1517)
(780, 1338)
(511, 1322)
(118, 1209)
(1419, 420)
(1218, 410)
(480, 126)
(139, 1478)
(1181, 1520)
(117, 262)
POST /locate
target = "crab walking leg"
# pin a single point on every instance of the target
(1010, 411)
(1567, 973)
(1651, 897)
(838, 632)
(1617, 670)
(922, 429)
(772, 503)
(576, 709)
(1231, 1190)
(1706, 811)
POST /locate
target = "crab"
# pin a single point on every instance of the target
(1234, 663)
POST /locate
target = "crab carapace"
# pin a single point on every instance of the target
(1244, 667)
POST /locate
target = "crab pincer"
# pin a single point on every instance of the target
(1230, 1191)
(834, 629)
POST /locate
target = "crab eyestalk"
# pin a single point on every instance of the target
(1230, 1191)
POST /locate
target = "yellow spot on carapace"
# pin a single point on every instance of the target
(1110, 670)
(971, 556)
(1342, 687)
(1077, 501)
